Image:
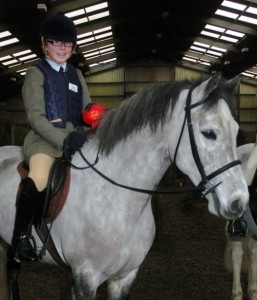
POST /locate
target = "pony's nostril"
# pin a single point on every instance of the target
(236, 207)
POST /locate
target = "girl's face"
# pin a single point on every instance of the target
(59, 54)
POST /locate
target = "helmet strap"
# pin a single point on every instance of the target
(74, 49)
(43, 45)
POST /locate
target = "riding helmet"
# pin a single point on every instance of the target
(58, 27)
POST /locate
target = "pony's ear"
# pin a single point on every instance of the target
(233, 83)
(201, 91)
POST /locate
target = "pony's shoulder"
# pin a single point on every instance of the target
(11, 151)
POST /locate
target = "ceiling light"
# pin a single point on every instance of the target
(42, 7)
(218, 49)
(96, 7)
(233, 5)
(189, 58)
(215, 28)
(13, 66)
(248, 20)
(214, 53)
(110, 60)
(75, 13)
(198, 49)
(98, 16)
(85, 34)
(211, 34)
(227, 14)
(93, 65)
(27, 57)
(85, 41)
(111, 49)
(91, 54)
(244, 49)
(9, 62)
(201, 44)
(107, 46)
(205, 63)
(5, 34)
(104, 35)
(22, 53)
(235, 33)
(102, 29)
(252, 10)
(80, 21)
(247, 74)
(228, 39)
(5, 57)
(8, 42)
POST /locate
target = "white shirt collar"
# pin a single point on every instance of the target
(55, 66)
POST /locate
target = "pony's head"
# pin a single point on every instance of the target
(205, 149)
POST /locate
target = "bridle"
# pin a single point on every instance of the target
(205, 186)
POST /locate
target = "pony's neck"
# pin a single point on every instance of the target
(142, 158)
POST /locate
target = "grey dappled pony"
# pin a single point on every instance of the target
(104, 231)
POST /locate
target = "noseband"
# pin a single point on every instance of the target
(205, 186)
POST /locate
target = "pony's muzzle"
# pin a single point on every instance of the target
(237, 208)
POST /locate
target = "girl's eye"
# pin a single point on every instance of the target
(209, 134)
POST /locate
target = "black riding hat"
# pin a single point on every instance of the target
(59, 28)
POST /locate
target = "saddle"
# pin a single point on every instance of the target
(51, 203)
(54, 197)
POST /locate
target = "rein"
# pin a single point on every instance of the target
(151, 192)
(205, 186)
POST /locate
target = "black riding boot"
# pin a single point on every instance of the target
(25, 208)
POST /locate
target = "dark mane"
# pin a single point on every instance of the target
(147, 107)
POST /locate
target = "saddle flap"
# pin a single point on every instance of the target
(56, 191)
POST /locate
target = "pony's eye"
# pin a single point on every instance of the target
(209, 134)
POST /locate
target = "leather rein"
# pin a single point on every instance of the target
(205, 186)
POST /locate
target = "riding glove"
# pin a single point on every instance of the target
(75, 140)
